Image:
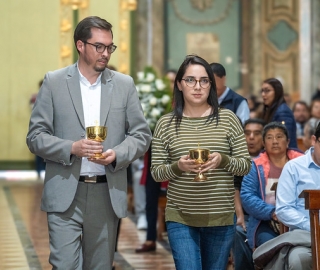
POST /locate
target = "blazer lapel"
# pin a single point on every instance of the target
(106, 95)
(75, 92)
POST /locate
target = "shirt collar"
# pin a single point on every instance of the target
(224, 94)
(84, 80)
(310, 161)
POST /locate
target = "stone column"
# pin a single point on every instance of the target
(315, 46)
(305, 50)
(141, 33)
(256, 39)
(158, 36)
(157, 46)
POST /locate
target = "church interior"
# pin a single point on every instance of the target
(253, 39)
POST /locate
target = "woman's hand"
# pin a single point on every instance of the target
(274, 216)
(188, 165)
(212, 163)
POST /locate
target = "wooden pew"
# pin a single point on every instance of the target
(312, 203)
(300, 144)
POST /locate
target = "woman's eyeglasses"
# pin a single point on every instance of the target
(266, 91)
(191, 82)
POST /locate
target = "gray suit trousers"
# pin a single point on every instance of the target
(86, 230)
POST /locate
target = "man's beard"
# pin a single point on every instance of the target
(99, 69)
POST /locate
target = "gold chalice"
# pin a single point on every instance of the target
(98, 134)
(200, 156)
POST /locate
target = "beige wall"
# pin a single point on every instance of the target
(28, 49)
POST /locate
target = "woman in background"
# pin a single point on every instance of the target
(276, 110)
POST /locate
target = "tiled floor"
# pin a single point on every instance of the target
(24, 236)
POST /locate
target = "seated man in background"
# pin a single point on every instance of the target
(308, 131)
(297, 175)
(301, 113)
(242, 253)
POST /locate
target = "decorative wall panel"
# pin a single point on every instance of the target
(71, 12)
(280, 43)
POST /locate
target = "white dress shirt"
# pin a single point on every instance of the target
(297, 175)
(91, 100)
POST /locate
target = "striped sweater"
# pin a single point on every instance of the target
(200, 204)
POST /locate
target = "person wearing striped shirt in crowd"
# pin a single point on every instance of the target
(200, 216)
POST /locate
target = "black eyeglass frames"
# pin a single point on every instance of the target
(100, 48)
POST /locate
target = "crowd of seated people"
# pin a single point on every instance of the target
(292, 250)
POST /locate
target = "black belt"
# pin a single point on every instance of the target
(93, 179)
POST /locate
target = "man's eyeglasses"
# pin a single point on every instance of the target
(191, 82)
(100, 48)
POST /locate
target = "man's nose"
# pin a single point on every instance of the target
(106, 53)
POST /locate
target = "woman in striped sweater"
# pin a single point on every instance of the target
(200, 216)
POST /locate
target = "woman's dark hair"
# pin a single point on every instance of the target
(269, 111)
(274, 125)
(83, 29)
(257, 121)
(178, 100)
(255, 102)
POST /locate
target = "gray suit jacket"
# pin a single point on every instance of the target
(57, 121)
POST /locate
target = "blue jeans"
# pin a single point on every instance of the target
(264, 233)
(242, 253)
(195, 248)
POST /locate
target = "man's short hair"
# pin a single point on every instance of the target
(301, 102)
(310, 127)
(254, 121)
(83, 29)
(218, 70)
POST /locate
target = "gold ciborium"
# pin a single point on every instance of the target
(98, 134)
(200, 156)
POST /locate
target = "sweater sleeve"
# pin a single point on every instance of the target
(162, 169)
(239, 161)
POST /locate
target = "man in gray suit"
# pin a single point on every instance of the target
(85, 197)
